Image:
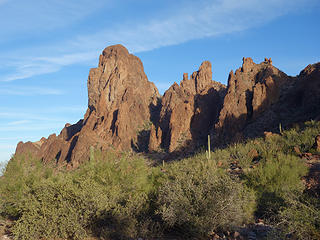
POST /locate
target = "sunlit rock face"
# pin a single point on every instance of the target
(119, 101)
(126, 112)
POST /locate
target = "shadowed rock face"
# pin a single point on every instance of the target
(125, 110)
(188, 111)
(260, 98)
(252, 89)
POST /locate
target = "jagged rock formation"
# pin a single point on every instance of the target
(188, 111)
(125, 110)
(251, 90)
(119, 101)
(260, 97)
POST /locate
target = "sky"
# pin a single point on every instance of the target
(48, 47)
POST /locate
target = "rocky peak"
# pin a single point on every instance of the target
(120, 99)
(203, 77)
(188, 111)
(251, 90)
(199, 80)
(117, 72)
(247, 64)
(125, 110)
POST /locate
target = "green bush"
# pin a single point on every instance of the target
(301, 217)
(109, 197)
(273, 179)
(54, 209)
(126, 186)
(301, 136)
(197, 199)
(20, 175)
(121, 196)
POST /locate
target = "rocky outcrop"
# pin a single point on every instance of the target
(260, 98)
(119, 101)
(305, 94)
(252, 89)
(188, 111)
(299, 101)
(125, 110)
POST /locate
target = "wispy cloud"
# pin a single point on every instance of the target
(18, 138)
(20, 122)
(34, 66)
(6, 146)
(19, 115)
(29, 91)
(47, 115)
(37, 16)
(32, 127)
(29, 69)
(212, 18)
(3, 1)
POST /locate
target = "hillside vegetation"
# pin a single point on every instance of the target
(125, 196)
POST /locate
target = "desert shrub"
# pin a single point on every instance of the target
(275, 177)
(197, 199)
(109, 196)
(221, 155)
(54, 209)
(300, 136)
(301, 217)
(19, 176)
(43, 203)
(122, 198)
(240, 152)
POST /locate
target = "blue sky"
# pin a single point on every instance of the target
(48, 47)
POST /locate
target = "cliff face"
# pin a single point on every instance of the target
(188, 111)
(119, 101)
(252, 89)
(260, 97)
(125, 110)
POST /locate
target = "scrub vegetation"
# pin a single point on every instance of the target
(126, 196)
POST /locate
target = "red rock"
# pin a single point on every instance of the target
(119, 101)
(253, 154)
(26, 148)
(155, 139)
(270, 134)
(125, 110)
(251, 90)
(297, 150)
(189, 110)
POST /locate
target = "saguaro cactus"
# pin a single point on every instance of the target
(208, 152)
